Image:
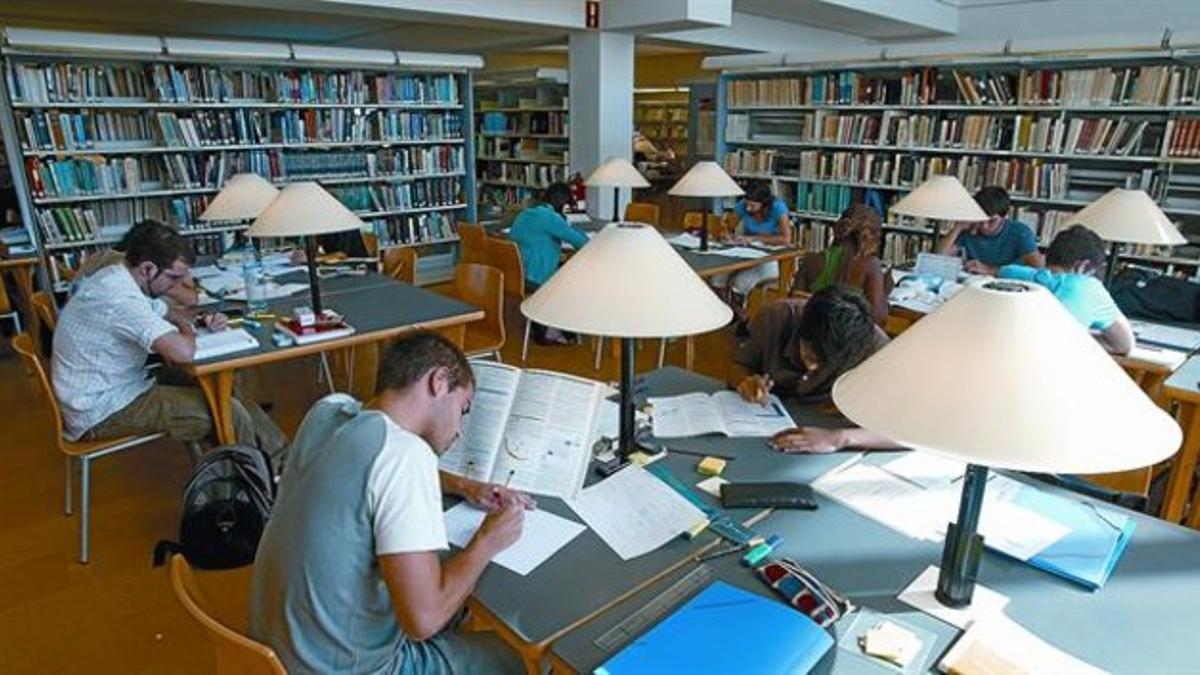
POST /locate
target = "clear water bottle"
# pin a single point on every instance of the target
(252, 274)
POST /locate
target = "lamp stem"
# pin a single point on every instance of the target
(627, 443)
(704, 232)
(1110, 270)
(964, 547)
(616, 203)
(314, 284)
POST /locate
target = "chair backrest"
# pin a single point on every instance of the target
(473, 239)
(482, 286)
(693, 220)
(400, 263)
(236, 653)
(718, 226)
(506, 257)
(371, 244)
(24, 346)
(641, 212)
(43, 305)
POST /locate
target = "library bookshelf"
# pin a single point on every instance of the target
(108, 134)
(1055, 130)
(522, 136)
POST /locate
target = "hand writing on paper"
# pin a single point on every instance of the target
(215, 321)
(976, 267)
(809, 439)
(491, 497)
(500, 529)
(755, 388)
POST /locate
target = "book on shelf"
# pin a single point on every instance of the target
(416, 228)
(1182, 137)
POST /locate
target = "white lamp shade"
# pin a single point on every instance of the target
(706, 179)
(1129, 216)
(940, 198)
(1007, 379)
(302, 209)
(243, 197)
(596, 292)
(616, 172)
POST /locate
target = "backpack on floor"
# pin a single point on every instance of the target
(226, 505)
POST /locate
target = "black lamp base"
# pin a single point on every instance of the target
(964, 547)
(314, 282)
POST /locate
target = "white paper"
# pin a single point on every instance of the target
(634, 512)
(473, 455)
(1168, 336)
(271, 291)
(984, 602)
(217, 343)
(577, 218)
(724, 412)
(1168, 358)
(685, 240)
(1034, 656)
(879, 495)
(925, 469)
(542, 535)
(740, 252)
(946, 267)
(1006, 526)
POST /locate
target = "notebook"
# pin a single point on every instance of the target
(725, 629)
(1166, 336)
(211, 344)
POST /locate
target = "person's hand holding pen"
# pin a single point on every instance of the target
(755, 388)
(494, 497)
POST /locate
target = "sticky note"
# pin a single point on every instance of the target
(711, 466)
(712, 485)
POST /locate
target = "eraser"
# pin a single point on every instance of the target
(712, 485)
(711, 466)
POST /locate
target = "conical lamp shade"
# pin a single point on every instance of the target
(1129, 216)
(940, 198)
(616, 172)
(596, 293)
(1003, 376)
(706, 179)
(243, 197)
(301, 209)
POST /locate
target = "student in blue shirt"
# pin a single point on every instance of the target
(539, 232)
(994, 243)
(763, 219)
(1073, 259)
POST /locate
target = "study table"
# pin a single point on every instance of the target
(1141, 621)
(378, 308)
(1183, 387)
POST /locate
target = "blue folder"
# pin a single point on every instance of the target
(1088, 553)
(725, 630)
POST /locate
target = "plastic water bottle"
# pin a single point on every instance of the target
(252, 274)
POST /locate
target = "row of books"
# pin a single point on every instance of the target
(71, 131)
(65, 82)
(524, 148)
(81, 224)
(542, 123)
(390, 197)
(813, 235)
(899, 247)
(750, 161)
(532, 175)
(414, 228)
(823, 198)
(1182, 138)
(1147, 85)
(73, 177)
(504, 196)
(1045, 222)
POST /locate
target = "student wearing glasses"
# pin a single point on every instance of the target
(109, 327)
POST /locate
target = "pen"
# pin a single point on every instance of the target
(719, 553)
(696, 453)
(508, 480)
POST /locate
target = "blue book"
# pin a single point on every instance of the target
(725, 630)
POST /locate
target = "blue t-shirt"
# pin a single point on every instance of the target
(1014, 240)
(539, 231)
(1083, 295)
(767, 227)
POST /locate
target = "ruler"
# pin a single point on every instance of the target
(653, 611)
(720, 522)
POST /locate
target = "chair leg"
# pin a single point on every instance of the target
(84, 506)
(662, 351)
(328, 374)
(350, 372)
(599, 353)
(70, 488)
(525, 343)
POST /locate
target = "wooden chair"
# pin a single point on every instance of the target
(236, 653)
(505, 256)
(692, 221)
(400, 263)
(371, 243)
(84, 451)
(641, 212)
(483, 287)
(474, 241)
(7, 309)
(43, 309)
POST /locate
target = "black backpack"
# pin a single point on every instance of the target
(1146, 294)
(226, 505)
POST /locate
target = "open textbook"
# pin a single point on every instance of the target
(721, 413)
(531, 430)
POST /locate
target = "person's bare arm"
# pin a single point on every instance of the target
(948, 244)
(784, 238)
(176, 347)
(426, 593)
(1033, 259)
(1118, 338)
(820, 441)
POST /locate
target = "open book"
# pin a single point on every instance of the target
(210, 344)
(721, 413)
(529, 429)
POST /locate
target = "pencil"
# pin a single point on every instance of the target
(697, 453)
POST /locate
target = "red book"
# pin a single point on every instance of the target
(321, 330)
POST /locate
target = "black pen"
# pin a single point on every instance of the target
(697, 453)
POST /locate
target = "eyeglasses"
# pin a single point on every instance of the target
(173, 277)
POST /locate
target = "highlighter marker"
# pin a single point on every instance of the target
(756, 554)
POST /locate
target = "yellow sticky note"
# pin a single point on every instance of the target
(711, 466)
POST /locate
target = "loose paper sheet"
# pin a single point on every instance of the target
(542, 535)
(634, 512)
(984, 603)
(1016, 646)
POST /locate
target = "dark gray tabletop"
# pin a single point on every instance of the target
(1142, 621)
(370, 303)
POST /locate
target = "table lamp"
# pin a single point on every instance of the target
(243, 197)
(305, 210)
(940, 198)
(1127, 217)
(705, 179)
(616, 173)
(595, 293)
(1003, 376)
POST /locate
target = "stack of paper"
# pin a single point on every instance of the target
(210, 344)
(685, 240)
(740, 252)
(542, 535)
(997, 644)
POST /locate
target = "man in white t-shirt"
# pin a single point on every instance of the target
(109, 327)
(348, 576)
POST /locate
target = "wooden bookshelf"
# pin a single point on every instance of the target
(522, 136)
(1056, 131)
(103, 140)
(662, 116)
